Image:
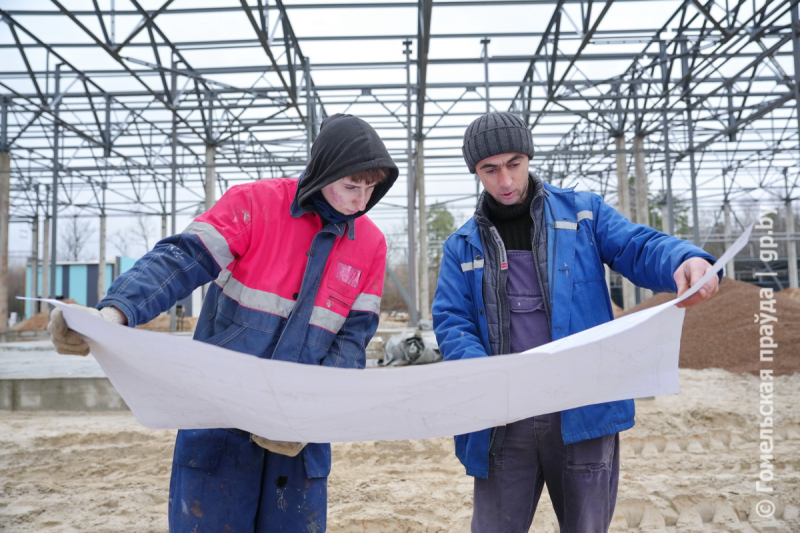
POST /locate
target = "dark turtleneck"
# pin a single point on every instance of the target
(513, 222)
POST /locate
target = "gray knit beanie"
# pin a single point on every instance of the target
(493, 134)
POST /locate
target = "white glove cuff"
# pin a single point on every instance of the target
(112, 315)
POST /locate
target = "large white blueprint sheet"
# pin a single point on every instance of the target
(172, 382)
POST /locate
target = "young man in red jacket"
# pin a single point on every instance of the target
(298, 276)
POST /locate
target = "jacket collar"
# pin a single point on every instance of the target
(339, 229)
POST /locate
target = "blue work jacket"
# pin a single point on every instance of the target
(582, 234)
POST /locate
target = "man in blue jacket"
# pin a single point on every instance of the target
(525, 270)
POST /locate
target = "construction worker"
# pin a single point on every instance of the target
(297, 276)
(525, 270)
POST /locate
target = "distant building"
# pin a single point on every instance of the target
(78, 281)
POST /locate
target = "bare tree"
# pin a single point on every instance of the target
(137, 235)
(75, 236)
(120, 241)
(143, 232)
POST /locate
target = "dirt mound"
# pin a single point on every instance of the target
(39, 320)
(792, 293)
(722, 332)
(161, 323)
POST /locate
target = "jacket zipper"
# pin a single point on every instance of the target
(555, 244)
(546, 297)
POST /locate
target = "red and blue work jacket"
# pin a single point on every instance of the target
(284, 287)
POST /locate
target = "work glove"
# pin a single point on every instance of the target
(278, 446)
(69, 342)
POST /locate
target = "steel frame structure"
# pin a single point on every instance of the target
(184, 101)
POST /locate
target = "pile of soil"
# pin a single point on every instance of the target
(792, 293)
(722, 333)
(160, 323)
(39, 320)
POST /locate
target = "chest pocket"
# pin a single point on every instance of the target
(344, 282)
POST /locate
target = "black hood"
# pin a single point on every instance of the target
(345, 145)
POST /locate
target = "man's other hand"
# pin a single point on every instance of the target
(278, 446)
(69, 342)
(688, 274)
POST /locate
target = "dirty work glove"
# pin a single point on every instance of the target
(69, 342)
(278, 446)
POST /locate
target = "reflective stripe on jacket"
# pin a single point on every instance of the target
(284, 287)
(582, 233)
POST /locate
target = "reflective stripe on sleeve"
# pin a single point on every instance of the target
(213, 240)
(367, 302)
(326, 319)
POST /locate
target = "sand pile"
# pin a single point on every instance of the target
(722, 332)
(160, 323)
(791, 293)
(39, 320)
(689, 465)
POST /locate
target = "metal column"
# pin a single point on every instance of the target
(413, 314)
(5, 217)
(309, 108)
(642, 201)
(485, 43)
(174, 170)
(730, 268)
(690, 131)
(424, 275)
(101, 265)
(5, 211)
(628, 289)
(211, 176)
(46, 244)
(35, 251)
(669, 220)
(791, 245)
(56, 165)
(640, 182)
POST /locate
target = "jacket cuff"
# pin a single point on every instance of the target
(122, 304)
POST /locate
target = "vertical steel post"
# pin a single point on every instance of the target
(791, 243)
(174, 170)
(107, 132)
(46, 243)
(101, 265)
(309, 109)
(35, 251)
(669, 222)
(424, 280)
(730, 268)
(485, 43)
(5, 218)
(640, 182)
(623, 190)
(687, 96)
(211, 176)
(56, 165)
(413, 314)
(164, 214)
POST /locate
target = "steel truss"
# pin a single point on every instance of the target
(155, 118)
